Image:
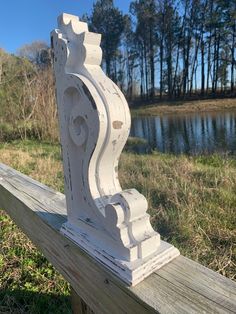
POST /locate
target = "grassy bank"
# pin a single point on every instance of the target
(191, 202)
(192, 106)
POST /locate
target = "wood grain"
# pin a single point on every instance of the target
(78, 305)
(182, 286)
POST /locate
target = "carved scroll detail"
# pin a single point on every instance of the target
(95, 123)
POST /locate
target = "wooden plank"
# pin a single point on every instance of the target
(181, 286)
(78, 305)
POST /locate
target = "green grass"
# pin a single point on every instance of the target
(29, 283)
(192, 204)
(134, 143)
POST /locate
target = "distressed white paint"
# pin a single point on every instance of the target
(106, 221)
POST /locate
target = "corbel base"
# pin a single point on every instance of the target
(130, 272)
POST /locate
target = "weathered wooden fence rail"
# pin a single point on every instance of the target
(181, 286)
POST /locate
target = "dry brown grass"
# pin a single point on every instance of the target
(192, 203)
(35, 164)
(181, 107)
(28, 108)
(44, 110)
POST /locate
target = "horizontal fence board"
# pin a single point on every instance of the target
(182, 286)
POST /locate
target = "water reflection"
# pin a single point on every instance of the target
(198, 133)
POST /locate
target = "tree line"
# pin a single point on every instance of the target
(161, 49)
(168, 49)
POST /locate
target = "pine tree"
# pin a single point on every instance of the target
(109, 21)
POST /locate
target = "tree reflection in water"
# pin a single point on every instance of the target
(199, 133)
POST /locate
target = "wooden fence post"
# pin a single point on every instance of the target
(78, 305)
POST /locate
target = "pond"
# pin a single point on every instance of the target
(198, 133)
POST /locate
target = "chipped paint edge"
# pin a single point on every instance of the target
(131, 273)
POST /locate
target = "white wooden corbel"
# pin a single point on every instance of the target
(111, 224)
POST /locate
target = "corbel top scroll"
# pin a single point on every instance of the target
(81, 47)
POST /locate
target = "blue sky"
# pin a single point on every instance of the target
(24, 21)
